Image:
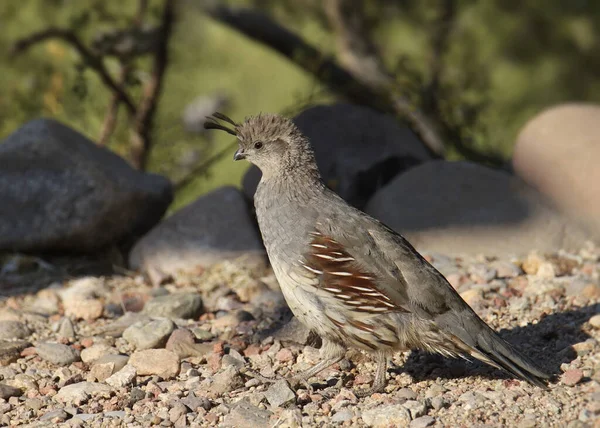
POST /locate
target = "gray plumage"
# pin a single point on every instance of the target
(348, 277)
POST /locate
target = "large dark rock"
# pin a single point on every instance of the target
(465, 208)
(61, 192)
(215, 227)
(358, 150)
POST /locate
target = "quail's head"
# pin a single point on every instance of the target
(271, 142)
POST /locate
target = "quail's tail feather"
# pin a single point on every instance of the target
(489, 347)
(496, 352)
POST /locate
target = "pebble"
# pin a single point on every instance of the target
(7, 391)
(78, 393)
(591, 291)
(116, 328)
(123, 377)
(13, 330)
(245, 414)
(160, 362)
(55, 416)
(232, 319)
(456, 279)
(119, 414)
(34, 404)
(26, 382)
(532, 263)
(96, 351)
(595, 321)
(175, 306)
(291, 417)
(472, 296)
(284, 355)
(56, 353)
(194, 403)
(119, 361)
(65, 328)
(177, 412)
(202, 334)
(293, 332)
(182, 343)
(136, 395)
(422, 422)
(149, 335)
(406, 393)
(226, 380)
(82, 288)
(386, 415)
(10, 351)
(482, 273)
(99, 372)
(584, 348)
(438, 403)
(46, 303)
(572, 377)
(279, 394)
(506, 269)
(85, 309)
(546, 270)
(416, 408)
(342, 416)
(179, 342)
(229, 360)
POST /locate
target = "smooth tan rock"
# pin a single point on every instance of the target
(558, 153)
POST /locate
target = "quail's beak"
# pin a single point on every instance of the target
(239, 154)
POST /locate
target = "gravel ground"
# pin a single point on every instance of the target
(113, 351)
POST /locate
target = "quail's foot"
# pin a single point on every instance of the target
(294, 381)
(379, 382)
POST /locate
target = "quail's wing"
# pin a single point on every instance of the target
(363, 261)
(352, 270)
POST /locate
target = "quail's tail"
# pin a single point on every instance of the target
(486, 345)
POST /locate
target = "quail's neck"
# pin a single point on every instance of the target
(295, 183)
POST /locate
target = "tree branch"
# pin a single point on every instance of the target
(112, 111)
(147, 107)
(201, 168)
(356, 50)
(441, 31)
(93, 61)
(261, 28)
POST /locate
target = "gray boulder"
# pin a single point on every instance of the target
(215, 227)
(358, 150)
(61, 192)
(464, 208)
(558, 153)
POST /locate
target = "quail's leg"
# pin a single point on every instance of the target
(331, 353)
(317, 368)
(379, 383)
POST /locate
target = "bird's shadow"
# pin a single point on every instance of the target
(548, 343)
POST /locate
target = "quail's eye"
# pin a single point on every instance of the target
(258, 145)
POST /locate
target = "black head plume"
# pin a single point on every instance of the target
(213, 123)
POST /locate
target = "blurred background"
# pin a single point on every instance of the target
(138, 76)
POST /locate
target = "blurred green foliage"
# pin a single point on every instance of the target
(506, 60)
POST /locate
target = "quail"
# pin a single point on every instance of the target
(348, 277)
